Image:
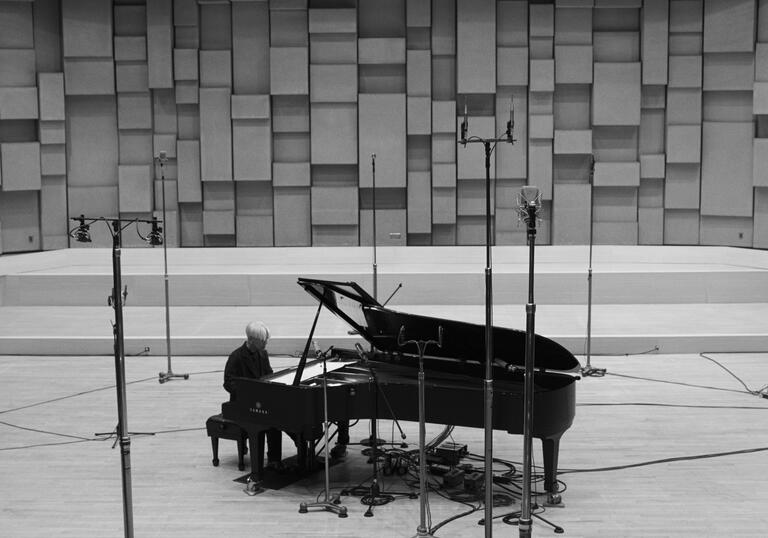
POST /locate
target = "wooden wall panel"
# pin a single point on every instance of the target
(252, 149)
(289, 71)
(334, 204)
(616, 98)
(215, 135)
(292, 217)
(215, 69)
(53, 213)
(16, 26)
(17, 67)
(86, 28)
(729, 25)
(333, 83)
(626, 174)
(20, 166)
(92, 146)
(189, 186)
(650, 226)
(130, 48)
(727, 231)
(160, 43)
(89, 76)
(419, 203)
(629, 82)
(760, 162)
(682, 185)
(334, 133)
(476, 46)
(19, 221)
(655, 46)
(18, 103)
(760, 227)
(135, 188)
(381, 128)
(683, 143)
(250, 48)
(729, 71)
(726, 169)
(572, 211)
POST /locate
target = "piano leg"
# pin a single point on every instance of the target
(551, 449)
(256, 439)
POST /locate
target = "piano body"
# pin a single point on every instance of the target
(382, 382)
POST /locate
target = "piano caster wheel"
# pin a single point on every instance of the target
(216, 462)
(239, 467)
(554, 499)
(253, 487)
(303, 508)
(343, 511)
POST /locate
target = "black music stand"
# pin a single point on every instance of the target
(422, 530)
(375, 496)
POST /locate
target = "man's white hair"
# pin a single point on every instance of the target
(257, 330)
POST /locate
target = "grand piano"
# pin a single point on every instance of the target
(381, 381)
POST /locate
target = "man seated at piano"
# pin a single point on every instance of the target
(252, 360)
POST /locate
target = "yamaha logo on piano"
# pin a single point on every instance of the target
(258, 410)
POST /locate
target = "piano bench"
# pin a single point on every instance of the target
(219, 427)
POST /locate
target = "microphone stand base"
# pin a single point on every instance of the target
(332, 506)
(421, 533)
(588, 371)
(162, 377)
(370, 441)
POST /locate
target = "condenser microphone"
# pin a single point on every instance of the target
(464, 125)
(163, 157)
(511, 121)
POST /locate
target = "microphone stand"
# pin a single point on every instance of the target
(489, 144)
(122, 410)
(376, 497)
(115, 300)
(528, 212)
(329, 504)
(587, 369)
(169, 375)
(373, 440)
(421, 530)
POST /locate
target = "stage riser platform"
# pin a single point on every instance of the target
(679, 300)
(422, 288)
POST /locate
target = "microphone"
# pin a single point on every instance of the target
(464, 125)
(163, 157)
(511, 122)
(155, 237)
(529, 202)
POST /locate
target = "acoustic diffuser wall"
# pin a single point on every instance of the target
(297, 122)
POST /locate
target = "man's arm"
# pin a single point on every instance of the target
(232, 369)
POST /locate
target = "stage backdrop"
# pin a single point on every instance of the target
(270, 111)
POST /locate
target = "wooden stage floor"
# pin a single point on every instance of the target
(662, 446)
(670, 443)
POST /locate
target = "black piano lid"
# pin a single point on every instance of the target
(380, 326)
